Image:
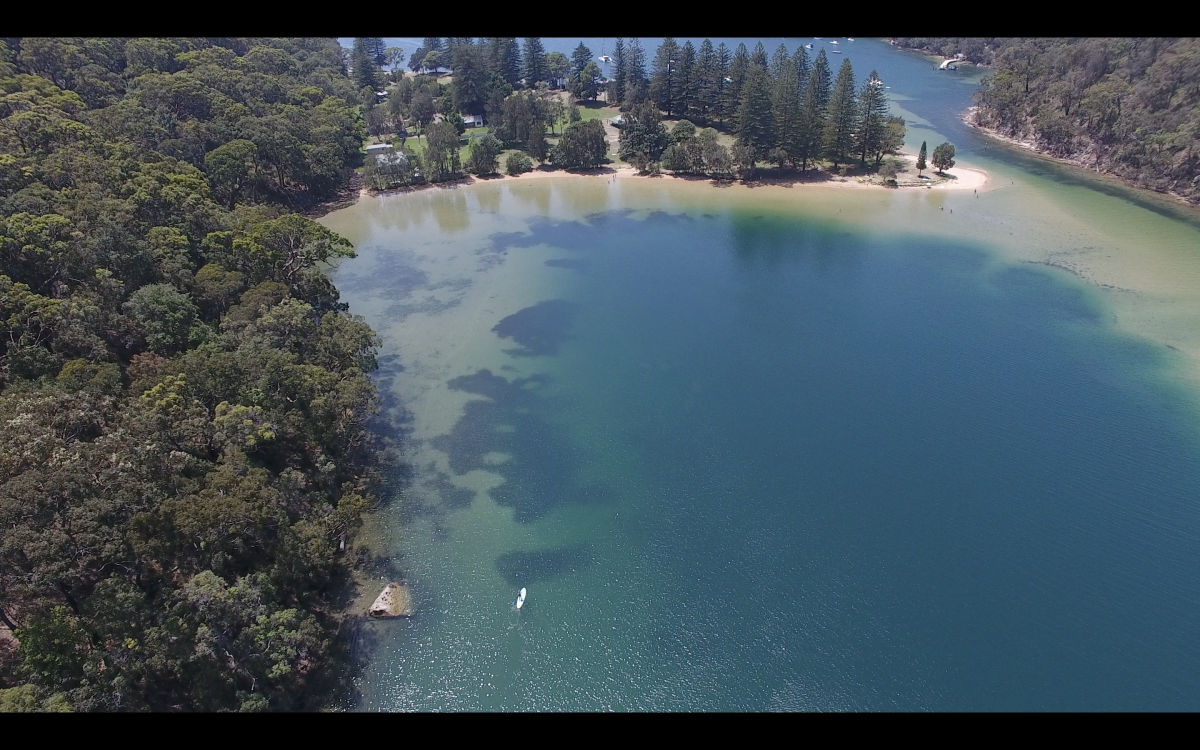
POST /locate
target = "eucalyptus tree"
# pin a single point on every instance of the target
(943, 157)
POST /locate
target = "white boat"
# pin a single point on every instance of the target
(849, 39)
(604, 59)
(520, 602)
(836, 51)
(835, 42)
(808, 46)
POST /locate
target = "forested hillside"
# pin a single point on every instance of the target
(1126, 106)
(183, 399)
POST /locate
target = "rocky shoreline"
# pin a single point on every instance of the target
(970, 120)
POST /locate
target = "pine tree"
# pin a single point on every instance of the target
(921, 165)
(635, 74)
(777, 60)
(812, 120)
(687, 82)
(803, 66)
(617, 95)
(534, 55)
(377, 49)
(706, 81)
(662, 82)
(759, 56)
(505, 59)
(872, 111)
(755, 126)
(433, 44)
(365, 69)
(820, 69)
(842, 122)
(580, 58)
(787, 112)
(721, 74)
(738, 68)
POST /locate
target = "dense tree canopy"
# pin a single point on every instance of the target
(185, 401)
(1130, 106)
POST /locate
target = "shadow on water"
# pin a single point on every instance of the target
(527, 568)
(538, 330)
(542, 471)
(573, 265)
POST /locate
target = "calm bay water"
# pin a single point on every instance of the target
(807, 449)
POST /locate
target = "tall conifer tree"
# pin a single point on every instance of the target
(759, 56)
(706, 81)
(786, 111)
(777, 59)
(824, 75)
(505, 56)
(635, 73)
(365, 69)
(738, 68)
(755, 127)
(536, 69)
(921, 165)
(842, 121)
(580, 58)
(803, 66)
(722, 73)
(812, 121)
(872, 113)
(617, 95)
(687, 81)
(663, 87)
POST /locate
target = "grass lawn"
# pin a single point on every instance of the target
(596, 111)
(418, 145)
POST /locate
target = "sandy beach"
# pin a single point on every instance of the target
(956, 178)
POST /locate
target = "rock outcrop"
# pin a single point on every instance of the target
(393, 601)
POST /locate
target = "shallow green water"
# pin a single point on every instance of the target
(759, 449)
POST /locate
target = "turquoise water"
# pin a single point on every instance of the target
(810, 452)
(771, 463)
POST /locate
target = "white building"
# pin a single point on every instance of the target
(473, 121)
